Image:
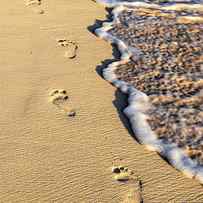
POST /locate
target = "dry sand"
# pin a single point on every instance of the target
(47, 156)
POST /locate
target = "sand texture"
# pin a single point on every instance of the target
(62, 126)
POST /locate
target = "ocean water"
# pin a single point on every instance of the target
(161, 70)
(114, 2)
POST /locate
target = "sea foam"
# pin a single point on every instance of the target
(139, 102)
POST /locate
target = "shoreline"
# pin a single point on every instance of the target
(138, 102)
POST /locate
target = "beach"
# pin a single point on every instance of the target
(62, 125)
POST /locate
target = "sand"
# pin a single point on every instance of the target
(48, 156)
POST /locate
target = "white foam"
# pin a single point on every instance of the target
(176, 6)
(139, 102)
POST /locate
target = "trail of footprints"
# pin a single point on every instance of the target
(59, 98)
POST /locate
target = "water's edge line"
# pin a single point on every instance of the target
(167, 6)
(138, 103)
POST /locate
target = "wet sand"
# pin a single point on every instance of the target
(46, 154)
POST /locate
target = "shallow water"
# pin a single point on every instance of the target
(161, 69)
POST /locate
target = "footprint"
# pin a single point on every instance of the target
(121, 173)
(135, 193)
(71, 48)
(62, 42)
(72, 113)
(34, 4)
(59, 97)
(134, 196)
